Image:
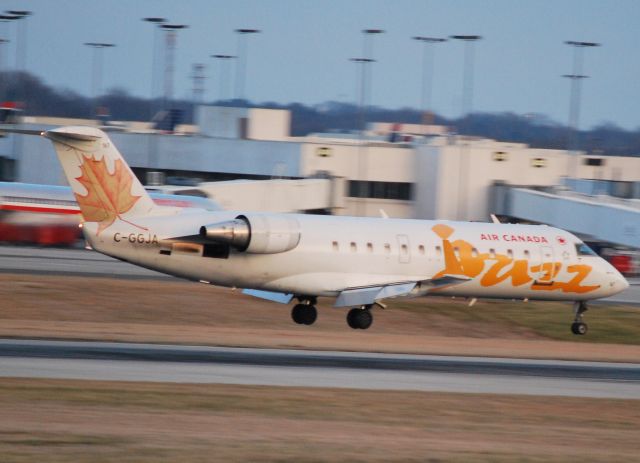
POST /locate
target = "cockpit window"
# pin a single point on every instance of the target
(584, 250)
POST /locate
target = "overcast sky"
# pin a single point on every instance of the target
(303, 51)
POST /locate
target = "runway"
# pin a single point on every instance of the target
(73, 262)
(275, 367)
(82, 262)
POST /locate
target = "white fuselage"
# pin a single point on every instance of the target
(335, 253)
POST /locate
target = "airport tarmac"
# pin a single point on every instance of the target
(82, 262)
(275, 367)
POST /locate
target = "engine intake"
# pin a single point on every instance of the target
(256, 233)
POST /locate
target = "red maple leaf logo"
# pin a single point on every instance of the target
(561, 240)
(108, 195)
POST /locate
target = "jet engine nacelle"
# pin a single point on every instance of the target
(256, 233)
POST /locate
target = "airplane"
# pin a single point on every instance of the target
(358, 261)
(59, 200)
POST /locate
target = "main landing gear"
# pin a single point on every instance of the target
(360, 318)
(578, 326)
(305, 313)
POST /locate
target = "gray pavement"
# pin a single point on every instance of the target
(274, 367)
(25, 259)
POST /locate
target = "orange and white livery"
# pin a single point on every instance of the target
(358, 261)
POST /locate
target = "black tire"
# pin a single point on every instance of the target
(579, 328)
(351, 316)
(310, 314)
(364, 319)
(359, 319)
(304, 314)
(297, 314)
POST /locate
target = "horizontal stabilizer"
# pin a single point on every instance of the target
(369, 295)
(10, 129)
(269, 295)
(56, 134)
(61, 136)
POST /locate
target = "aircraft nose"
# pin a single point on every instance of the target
(617, 283)
(622, 281)
(612, 280)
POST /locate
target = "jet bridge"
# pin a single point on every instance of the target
(599, 217)
(276, 195)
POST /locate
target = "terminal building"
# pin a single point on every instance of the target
(407, 171)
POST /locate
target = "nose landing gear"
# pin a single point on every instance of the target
(578, 326)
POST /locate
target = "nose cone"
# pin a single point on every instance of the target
(616, 282)
(622, 281)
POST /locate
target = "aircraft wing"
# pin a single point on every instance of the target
(444, 282)
(368, 295)
(353, 297)
(269, 295)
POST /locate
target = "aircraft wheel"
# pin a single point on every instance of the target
(579, 328)
(359, 318)
(304, 314)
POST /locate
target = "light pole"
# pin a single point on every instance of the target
(21, 50)
(427, 76)
(2, 78)
(367, 75)
(170, 43)
(362, 63)
(198, 77)
(96, 78)
(574, 102)
(4, 19)
(467, 105)
(366, 78)
(241, 63)
(21, 53)
(468, 71)
(156, 23)
(224, 74)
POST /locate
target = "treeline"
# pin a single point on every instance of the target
(535, 130)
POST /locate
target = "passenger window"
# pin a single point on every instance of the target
(354, 248)
(456, 252)
(421, 249)
(369, 248)
(474, 252)
(510, 253)
(492, 253)
(335, 246)
(387, 248)
(438, 251)
(527, 254)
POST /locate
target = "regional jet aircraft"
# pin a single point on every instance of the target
(358, 261)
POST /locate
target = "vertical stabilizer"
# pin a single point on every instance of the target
(104, 186)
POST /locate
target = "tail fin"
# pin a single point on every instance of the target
(104, 186)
